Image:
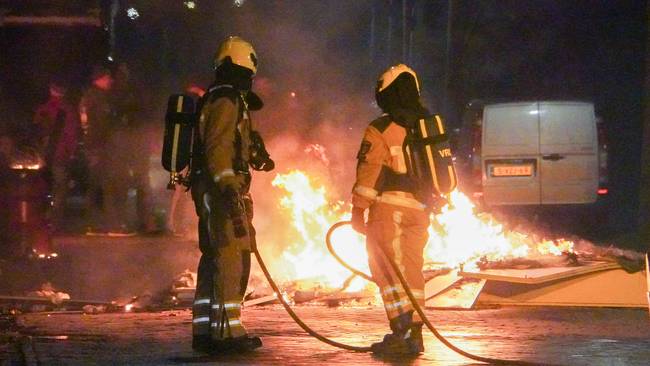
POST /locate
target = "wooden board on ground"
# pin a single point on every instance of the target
(439, 284)
(595, 284)
(264, 300)
(459, 296)
(539, 275)
(612, 287)
(344, 297)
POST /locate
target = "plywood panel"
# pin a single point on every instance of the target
(615, 288)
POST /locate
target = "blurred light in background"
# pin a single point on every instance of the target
(190, 4)
(132, 13)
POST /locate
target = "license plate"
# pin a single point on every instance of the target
(512, 170)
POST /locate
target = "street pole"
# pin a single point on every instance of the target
(373, 14)
(112, 40)
(448, 57)
(411, 27)
(404, 33)
(644, 194)
(389, 37)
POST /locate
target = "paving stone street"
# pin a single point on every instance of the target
(120, 268)
(559, 336)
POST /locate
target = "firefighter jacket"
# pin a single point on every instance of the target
(381, 169)
(224, 138)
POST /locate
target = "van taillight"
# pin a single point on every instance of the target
(603, 176)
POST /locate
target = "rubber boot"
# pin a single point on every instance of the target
(246, 343)
(202, 343)
(235, 345)
(414, 339)
(406, 338)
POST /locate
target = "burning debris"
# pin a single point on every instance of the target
(143, 302)
(94, 309)
(458, 236)
(461, 239)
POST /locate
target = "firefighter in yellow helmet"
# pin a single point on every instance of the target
(224, 148)
(397, 218)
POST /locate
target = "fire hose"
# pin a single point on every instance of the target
(295, 317)
(416, 306)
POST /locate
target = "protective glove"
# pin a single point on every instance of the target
(260, 159)
(236, 211)
(359, 220)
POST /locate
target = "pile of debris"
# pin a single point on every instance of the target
(300, 291)
(48, 298)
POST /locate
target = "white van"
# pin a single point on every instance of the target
(534, 153)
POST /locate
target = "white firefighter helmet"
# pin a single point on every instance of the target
(392, 73)
(240, 52)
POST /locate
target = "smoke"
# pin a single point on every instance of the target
(317, 84)
(315, 77)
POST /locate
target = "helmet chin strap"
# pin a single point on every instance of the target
(243, 85)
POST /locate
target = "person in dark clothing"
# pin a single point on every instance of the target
(97, 114)
(128, 147)
(56, 129)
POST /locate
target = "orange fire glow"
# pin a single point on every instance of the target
(311, 216)
(458, 236)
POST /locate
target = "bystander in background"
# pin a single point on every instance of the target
(97, 113)
(56, 130)
(129, 164)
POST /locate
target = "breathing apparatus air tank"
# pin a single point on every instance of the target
(429, 159)
(180, 120)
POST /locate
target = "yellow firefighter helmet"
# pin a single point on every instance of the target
(392, 73)
(239, 51)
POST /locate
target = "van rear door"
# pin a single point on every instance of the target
(568, 148)
(510, 151)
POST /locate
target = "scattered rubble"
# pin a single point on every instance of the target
(48, 298)
(183, 288)
(48, 291)
(94, 309)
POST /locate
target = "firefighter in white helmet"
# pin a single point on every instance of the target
(223, 150)
(397, 218)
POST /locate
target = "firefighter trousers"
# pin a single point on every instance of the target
(223, 269)
(402, 233)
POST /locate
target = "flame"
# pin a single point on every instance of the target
(458, 236)
(311, 216)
